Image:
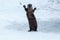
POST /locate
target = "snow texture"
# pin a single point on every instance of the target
(14, 24)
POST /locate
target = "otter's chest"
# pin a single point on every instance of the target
(30, 11)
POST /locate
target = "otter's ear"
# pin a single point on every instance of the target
(24, 6)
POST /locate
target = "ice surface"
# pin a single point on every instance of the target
(14, 23)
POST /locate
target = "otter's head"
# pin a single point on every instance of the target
(29, 5)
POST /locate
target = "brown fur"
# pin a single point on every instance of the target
(31, 18)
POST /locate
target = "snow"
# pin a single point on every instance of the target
(14, 24)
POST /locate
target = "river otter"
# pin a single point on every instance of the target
(31, 18)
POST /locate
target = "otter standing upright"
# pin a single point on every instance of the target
(31, 18)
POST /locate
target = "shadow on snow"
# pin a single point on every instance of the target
(43, 26)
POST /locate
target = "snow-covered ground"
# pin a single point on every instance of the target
(14, 23)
